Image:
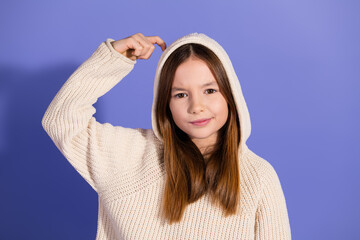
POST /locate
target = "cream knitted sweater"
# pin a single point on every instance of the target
(125, 168)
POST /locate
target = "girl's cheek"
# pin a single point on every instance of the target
(218, 103)
(176, 107)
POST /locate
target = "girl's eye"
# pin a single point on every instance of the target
(210, 91)
(180, 95)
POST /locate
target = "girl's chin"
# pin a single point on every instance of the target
(204, 140)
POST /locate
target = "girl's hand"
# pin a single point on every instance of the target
(138, 46)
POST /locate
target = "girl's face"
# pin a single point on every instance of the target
(196, 104)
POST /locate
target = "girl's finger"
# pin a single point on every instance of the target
(147, 54)
(140, 46)
(157, 40)
(134, 44)
(147, 45)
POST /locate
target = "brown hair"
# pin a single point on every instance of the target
(189, 174)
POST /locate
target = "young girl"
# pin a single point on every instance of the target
(189, 177)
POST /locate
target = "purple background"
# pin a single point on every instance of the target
(298, 63)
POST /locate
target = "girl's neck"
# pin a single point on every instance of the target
(205, 146)
(206, 149)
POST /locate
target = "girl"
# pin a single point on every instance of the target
(189, 177)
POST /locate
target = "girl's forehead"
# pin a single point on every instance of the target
(193, 72)
(183, 87)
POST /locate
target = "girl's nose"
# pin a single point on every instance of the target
(196, 105)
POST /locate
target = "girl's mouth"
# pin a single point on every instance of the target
(201, 122)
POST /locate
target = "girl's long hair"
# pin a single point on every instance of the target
(189, 174)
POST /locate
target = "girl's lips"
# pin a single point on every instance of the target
(201, 122)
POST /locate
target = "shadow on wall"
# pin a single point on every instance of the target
(42, 196)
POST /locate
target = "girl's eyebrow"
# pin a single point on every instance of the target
(174, 89)
(183, 89)
(210, 84)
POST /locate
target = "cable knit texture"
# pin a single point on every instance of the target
(125, 166)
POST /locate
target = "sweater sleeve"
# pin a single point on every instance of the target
(272, 221)
(87, 144)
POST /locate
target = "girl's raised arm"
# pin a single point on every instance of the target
(97, 151)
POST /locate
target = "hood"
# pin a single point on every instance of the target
(199, 38)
